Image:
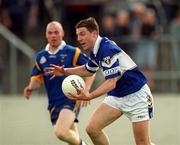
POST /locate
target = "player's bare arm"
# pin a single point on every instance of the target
(34, 84)
(80, 70)
(105, 87)
(89, 81)
(56, 70)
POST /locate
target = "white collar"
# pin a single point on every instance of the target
(97, 43)
(60, 47)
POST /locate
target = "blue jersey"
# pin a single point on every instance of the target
(114, 62)
(65, 55)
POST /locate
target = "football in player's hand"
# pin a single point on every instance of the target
(72, 84)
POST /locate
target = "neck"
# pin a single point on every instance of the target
(52, 49)
(94, 41)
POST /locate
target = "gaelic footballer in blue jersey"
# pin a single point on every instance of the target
(114, 62)
(125, 85)
(65, 55)
(62, 110)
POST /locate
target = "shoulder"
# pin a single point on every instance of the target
(40, 54)
(108, 45)
(70, 47)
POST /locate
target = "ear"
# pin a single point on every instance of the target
(94, 33)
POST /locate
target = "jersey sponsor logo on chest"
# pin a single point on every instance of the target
(61, 57)
(111, 71)
(52, 56)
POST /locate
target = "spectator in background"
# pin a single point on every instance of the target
(122, 23)
(175, 37)
(16, 13)
(32, 14)
(123, 30)
(6, 21)
(108, 25)
(138, 10)
(170, 7)
(146, 49)
(5, 17)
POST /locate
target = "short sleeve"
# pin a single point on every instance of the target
(36, 73)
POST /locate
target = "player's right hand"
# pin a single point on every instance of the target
(27, 92)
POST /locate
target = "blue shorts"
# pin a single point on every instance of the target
(55, 109)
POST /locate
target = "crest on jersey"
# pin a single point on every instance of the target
(107, 60)
(42, 60)
(63, 57)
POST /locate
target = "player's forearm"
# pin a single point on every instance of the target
(80, 70)
(89, 81)
(34, 84)
(104, 88)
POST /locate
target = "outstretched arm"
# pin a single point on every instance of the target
(79, 70)
(56, 70)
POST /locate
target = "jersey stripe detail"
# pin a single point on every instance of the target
(77, 53)
(37, 66)
(38, 78)
(91, 69)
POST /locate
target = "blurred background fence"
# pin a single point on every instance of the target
(148, 30)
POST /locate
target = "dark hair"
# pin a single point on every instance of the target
(89, 23)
